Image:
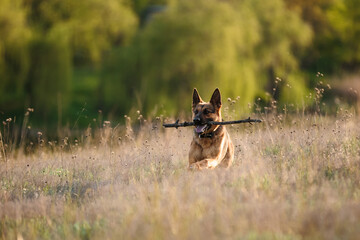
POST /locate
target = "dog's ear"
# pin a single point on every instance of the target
(196, 98)
(216, 98)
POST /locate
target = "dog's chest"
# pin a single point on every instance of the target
(210, 147)
(205, 142)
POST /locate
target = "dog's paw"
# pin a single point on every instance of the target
(203, 164)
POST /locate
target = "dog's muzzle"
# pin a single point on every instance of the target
(197, 121)
(200, 127)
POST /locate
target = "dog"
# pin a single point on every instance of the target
(211, 145)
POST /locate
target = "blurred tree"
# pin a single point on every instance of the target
(120, 75)
(68, 34)
(92, 25)
(14, 59)
(240, 46)
(141, 6)
(284, 38)
(314, 13)
(233, 45)
(335, 46)
(344, 18)
(195, 44)
(50, 74)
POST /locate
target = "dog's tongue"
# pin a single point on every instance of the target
(200, 129)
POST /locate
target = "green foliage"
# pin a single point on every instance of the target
(209, 44)
(149, 54)
(193, 44)
(344, 17)
(284, 37)
(68, 31)
(51, 70)
(335, 46)
(92, 26)
(42, 41)
(141, 5)
(120, 79)
(14, 60)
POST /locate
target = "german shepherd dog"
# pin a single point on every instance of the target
(211, 145)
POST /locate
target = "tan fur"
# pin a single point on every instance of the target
(208, 153)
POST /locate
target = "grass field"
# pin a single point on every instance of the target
(294, 177)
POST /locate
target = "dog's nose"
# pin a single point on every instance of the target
(197, 120)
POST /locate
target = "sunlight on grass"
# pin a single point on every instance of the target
(293, 177)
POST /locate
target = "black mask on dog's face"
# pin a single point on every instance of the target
(204, 112)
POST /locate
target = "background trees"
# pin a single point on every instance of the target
(14, 55)
(120, 55)
(235, 45)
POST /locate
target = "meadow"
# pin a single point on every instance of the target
(293, 177)
(67, 172)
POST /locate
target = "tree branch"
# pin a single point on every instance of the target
(187, 124)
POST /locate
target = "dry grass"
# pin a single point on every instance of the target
(293, 178)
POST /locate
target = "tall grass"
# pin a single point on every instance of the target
(293, 177)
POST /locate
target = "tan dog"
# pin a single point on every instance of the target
(211, 145)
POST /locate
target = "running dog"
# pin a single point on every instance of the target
(211, 145)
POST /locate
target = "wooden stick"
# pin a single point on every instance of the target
(187, 124)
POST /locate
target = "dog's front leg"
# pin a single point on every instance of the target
(204, 164)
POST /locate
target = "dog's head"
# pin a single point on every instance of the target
(204, 112)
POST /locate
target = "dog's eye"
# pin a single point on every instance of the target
(196, 111)
(206, 111)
